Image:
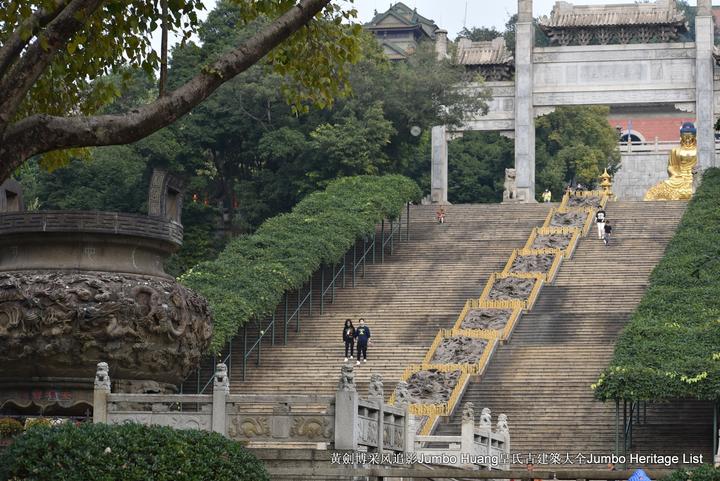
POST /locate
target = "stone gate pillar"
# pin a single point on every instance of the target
(524, 112)
(704, 39)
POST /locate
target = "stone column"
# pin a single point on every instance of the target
(100, 393)
(221, 390)
(524, 109)
(375, 394)
(402, 400)
(704, 69)
(467, 430)
(439, 170)
(346, 411)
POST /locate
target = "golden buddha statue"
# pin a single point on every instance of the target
(682, 160)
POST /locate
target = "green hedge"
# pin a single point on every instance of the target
(249, 278)
(704, 472)
(671, 347)
(128, 452)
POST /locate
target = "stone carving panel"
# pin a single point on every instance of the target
(247, 427)
(63, 323)
(312, 428)
(175, 420)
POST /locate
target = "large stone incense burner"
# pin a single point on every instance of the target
(80, 287)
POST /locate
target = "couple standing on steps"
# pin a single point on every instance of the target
(603, 226)
(350, 333)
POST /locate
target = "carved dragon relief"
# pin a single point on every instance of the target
(74, 319)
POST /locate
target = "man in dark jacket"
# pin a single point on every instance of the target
(362, 333)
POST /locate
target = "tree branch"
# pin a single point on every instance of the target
(16, 84)
(15, 43)
(42, 133)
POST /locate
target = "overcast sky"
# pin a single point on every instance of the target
(451, 14)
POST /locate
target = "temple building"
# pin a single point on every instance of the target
(400, 29)
(568, 24)
(491, 59)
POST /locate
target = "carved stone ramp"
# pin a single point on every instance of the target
(542, 378)
(419, 289)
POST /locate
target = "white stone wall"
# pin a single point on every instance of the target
(614, 74)
(638, 172)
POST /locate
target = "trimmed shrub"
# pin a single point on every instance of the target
(704, 472)
(128, 452)
(250, 276)
(671, 347)
(10, 427)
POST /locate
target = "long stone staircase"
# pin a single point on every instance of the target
(418, 290)
(542, 378)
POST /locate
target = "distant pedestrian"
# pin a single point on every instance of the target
(441, 215)
(349, 338)
(608, 230)
(362, 333)
(600, 218)
(547, 196)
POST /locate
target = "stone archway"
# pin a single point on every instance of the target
(672, 73)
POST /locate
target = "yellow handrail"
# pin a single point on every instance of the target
(488, 286)
(429, 425)
(534, 294)
(502, 303)
(509, 263)
(442, 334)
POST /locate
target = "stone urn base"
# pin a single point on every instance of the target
(81, 288)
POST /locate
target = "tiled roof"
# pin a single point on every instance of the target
(567, 15)
(405, 15)
(483, 53)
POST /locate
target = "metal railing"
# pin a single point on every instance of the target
(305, 298)
(653, 146)
(634, 412)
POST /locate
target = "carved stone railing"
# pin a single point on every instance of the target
(93, 222)
(344, 421)
(477, 446)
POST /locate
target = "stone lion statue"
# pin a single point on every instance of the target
(102, 376)
(485, 418)
(402, 395)
(468, 414)
(502, 424)
(510, 192)
(221, 377)
(375, 389)
(347, 378)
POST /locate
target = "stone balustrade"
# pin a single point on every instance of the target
(477, 446)
(345, 421)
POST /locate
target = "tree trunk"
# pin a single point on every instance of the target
(38, 134)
